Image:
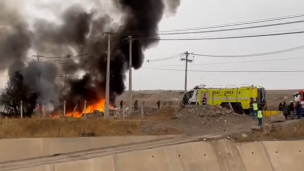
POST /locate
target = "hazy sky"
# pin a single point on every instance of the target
(201, 13)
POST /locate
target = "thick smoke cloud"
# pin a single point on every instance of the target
(79, 32)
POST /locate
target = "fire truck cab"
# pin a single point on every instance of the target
(299, 96)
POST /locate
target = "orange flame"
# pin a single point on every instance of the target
(100, 105)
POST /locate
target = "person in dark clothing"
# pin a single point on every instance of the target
(285, 109)
(291, 110)
(280, 106)
(121, 104)
(158, 104)
(251, 106)
(299, 109)
(136, 105)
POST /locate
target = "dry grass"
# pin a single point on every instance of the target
(31, 128)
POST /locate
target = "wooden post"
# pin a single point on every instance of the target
(21, 110)
(64, 104)
(74, 110)
(142, 110)
(123, 112)
(229, 103)
(85, 108)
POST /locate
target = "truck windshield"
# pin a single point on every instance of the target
(188, 95)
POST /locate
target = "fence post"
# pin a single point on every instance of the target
(43, 106)
(123, 112)
(21, 109)
(142, 110)
(64, 103)
(85, 108)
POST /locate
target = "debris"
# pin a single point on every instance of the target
(267, 128)
(190, 110)
(244, 135)
(256, 128)
(278, 118)
(177, 116)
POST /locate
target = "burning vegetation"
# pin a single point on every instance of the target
(75, 45)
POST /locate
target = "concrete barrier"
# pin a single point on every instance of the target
(18, 149)
(286, 155)
(219, 155)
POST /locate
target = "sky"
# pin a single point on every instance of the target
(202, 13)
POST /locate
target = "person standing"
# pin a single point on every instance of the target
(291, 110)
(280, 106)
(299, 109)
(136, 105)
(255, 109)
(158, 104)
(260, 117)
(285, 109)
(121, 104)
(251, 106)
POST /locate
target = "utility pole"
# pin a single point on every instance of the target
(130, 74)
(39, 100)
(186, 68)
(107, 112)
(64, 81)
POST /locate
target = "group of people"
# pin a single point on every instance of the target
(291, 109)
(135, 105)
(257, 112)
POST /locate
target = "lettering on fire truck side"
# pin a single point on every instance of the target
(229, 92)
(225, 92)
(217, 92)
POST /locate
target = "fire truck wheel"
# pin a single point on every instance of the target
(238, 108)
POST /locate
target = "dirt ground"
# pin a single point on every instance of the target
(289, 130)
(170, 119)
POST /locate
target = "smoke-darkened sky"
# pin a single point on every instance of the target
(77, 33)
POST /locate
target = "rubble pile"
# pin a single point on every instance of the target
(214, 117)
(167, 95)
(210, 111)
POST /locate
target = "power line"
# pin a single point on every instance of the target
(239, 62)
(166, 58)
(253, 55)
(227, 37)
(235, 24)
(169, 69)
(223, 30)
(248, 55)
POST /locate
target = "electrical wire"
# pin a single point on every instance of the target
(234, 24)
(167, 58)
(169, 69)
(252, 55)
(226, 37)
(223, 30)
(237, 62)
(248, 55)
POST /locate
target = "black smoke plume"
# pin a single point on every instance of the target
(78, 40)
